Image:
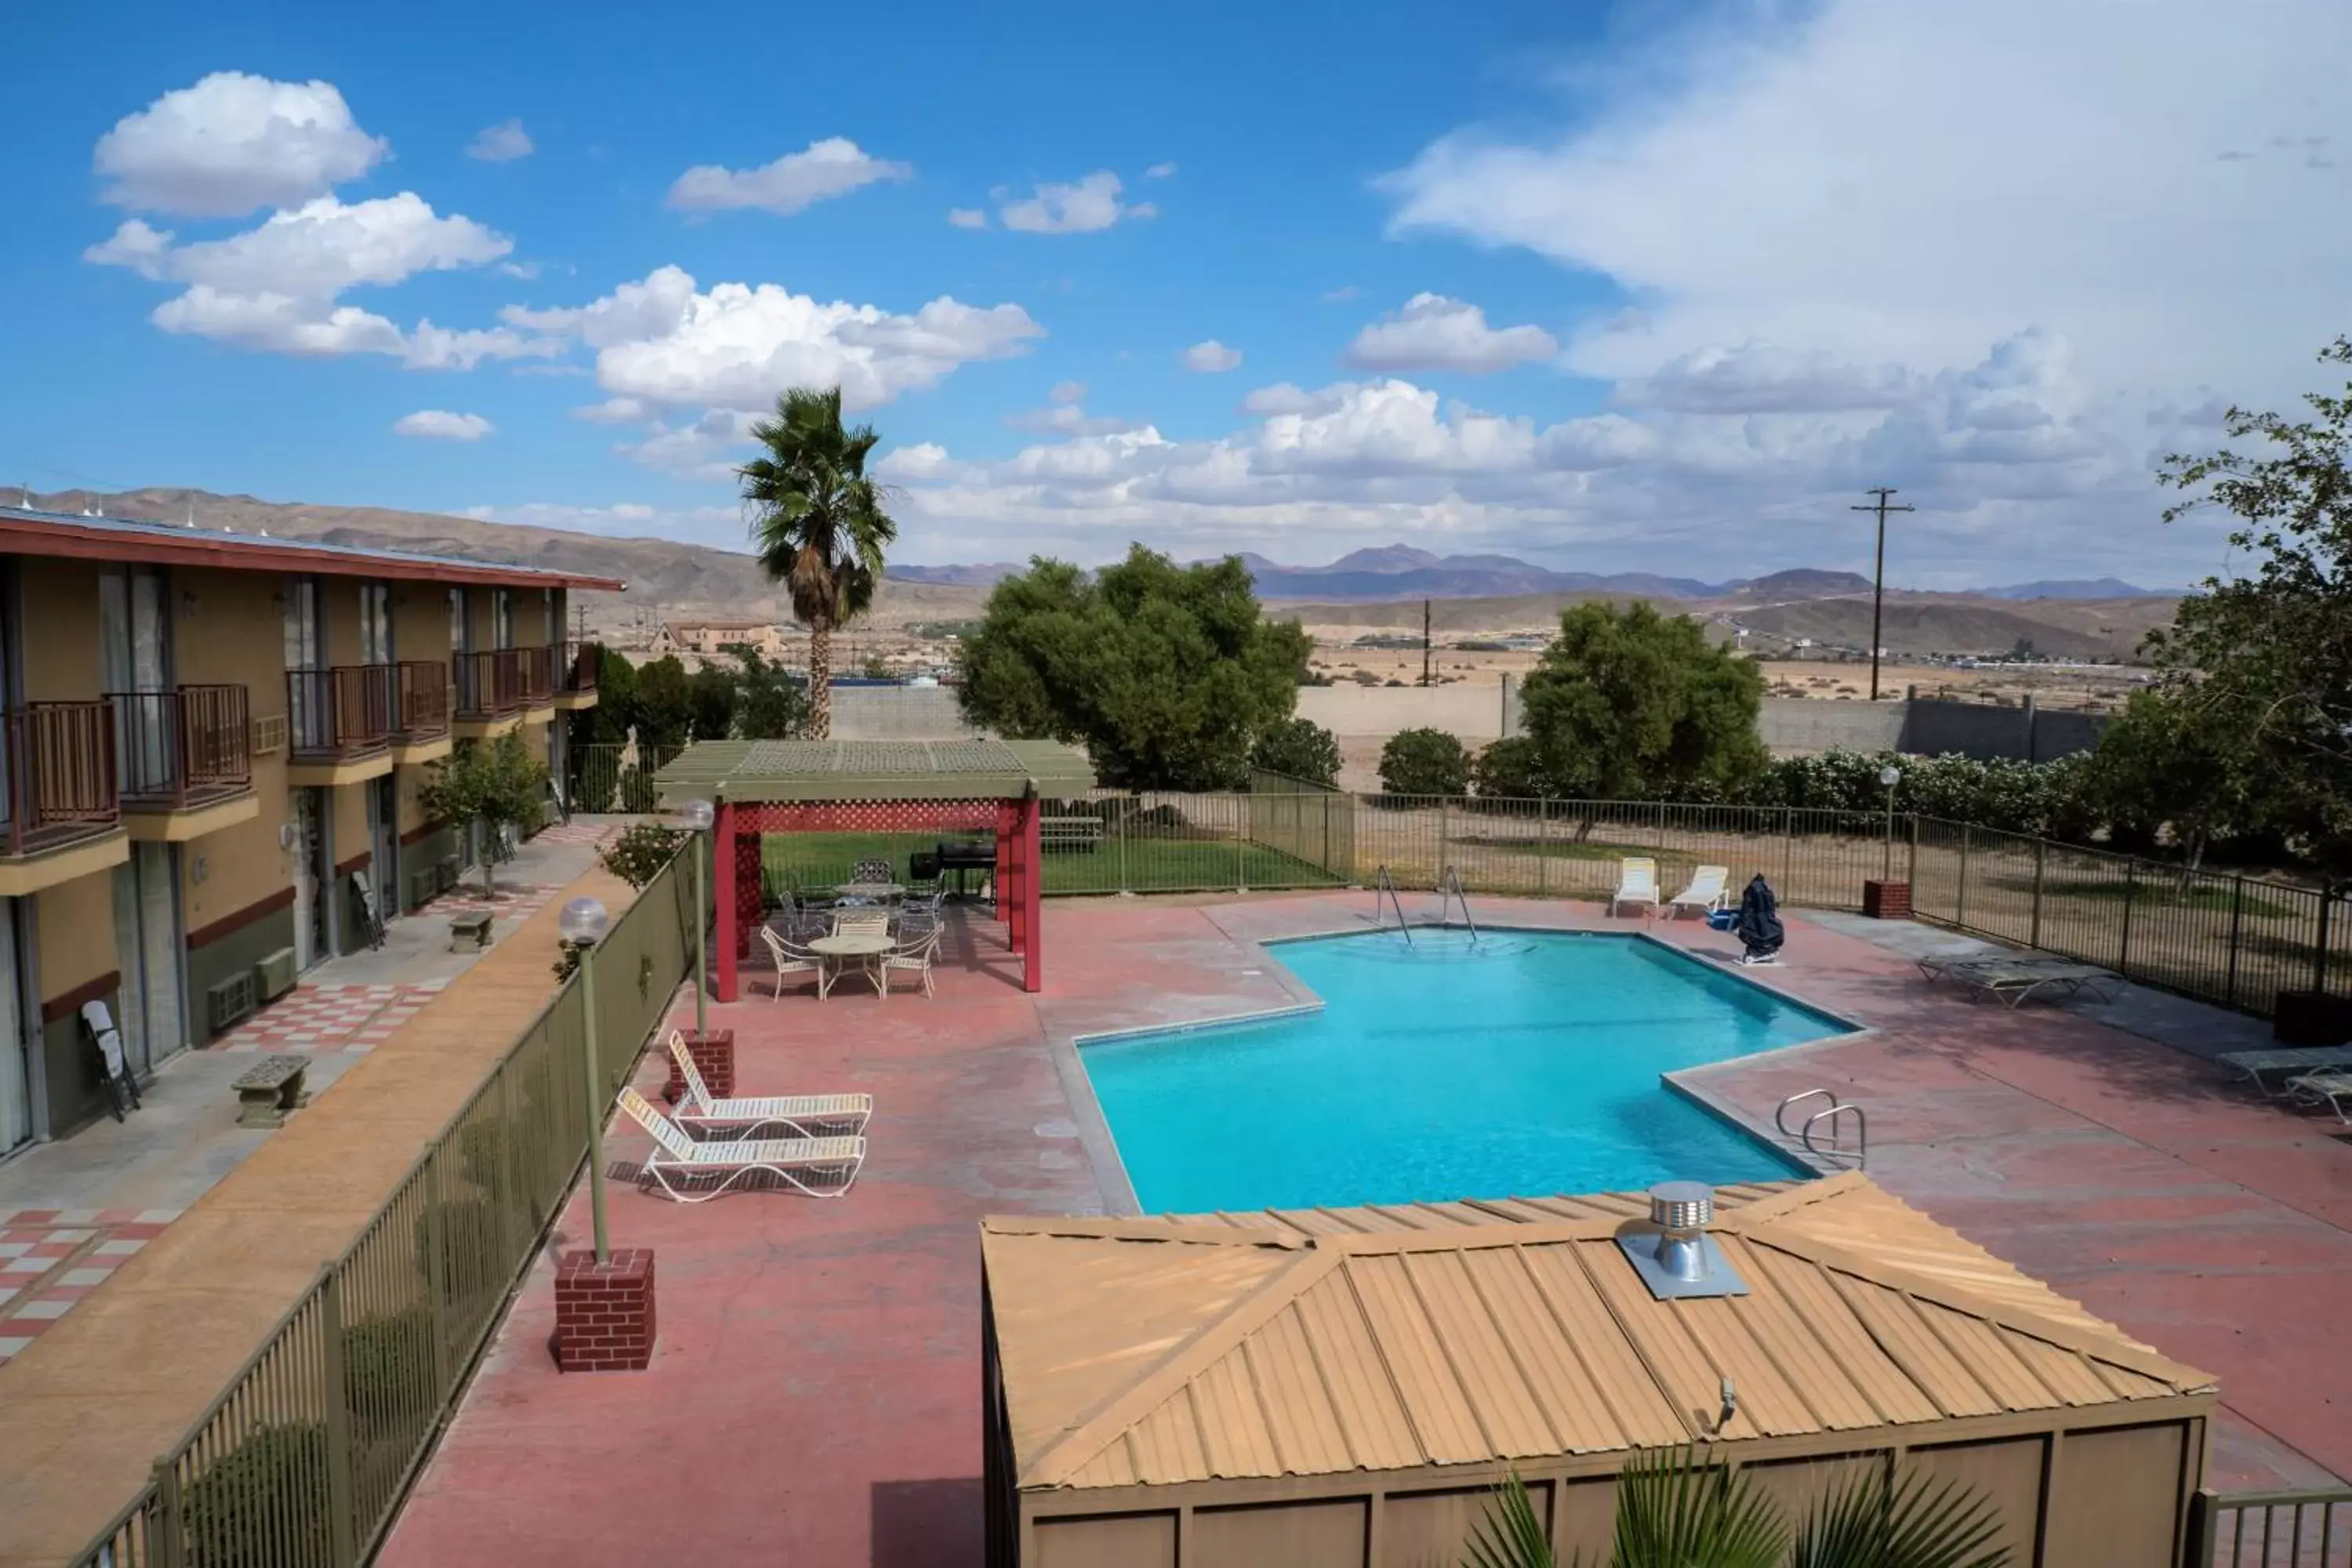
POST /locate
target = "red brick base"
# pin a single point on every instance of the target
(604, 1315)
(714, 1059)
(1880, 901)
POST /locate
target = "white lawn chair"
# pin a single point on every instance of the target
(1707, 891)
(800, 1115)
(678, 1159)
(790, 960)
(1637, 883)
(2334, 1086)
(862, 923)
(914, 952)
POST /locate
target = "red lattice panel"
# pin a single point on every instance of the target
(868, 816)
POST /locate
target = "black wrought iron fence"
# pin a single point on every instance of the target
(303, 1460)
(614, 778)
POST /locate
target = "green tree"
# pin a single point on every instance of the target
(663, 712)
(1166, 674)
(770, 704)
(494, 783)
(1676, 1511)
(1300, 749)
(710, 702)
(1425, 762)
(2262, 661)
(1512, 769)
(2162, 762)
(818, 524)
(1628, 704)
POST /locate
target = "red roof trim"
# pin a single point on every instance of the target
(27, 536)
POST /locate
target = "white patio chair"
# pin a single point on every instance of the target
(790, 959)
(678, 1159)
(1637, 883)
(801, 1115)
(913, 953)
(870, 871)
(1707, 893)
(862, 923)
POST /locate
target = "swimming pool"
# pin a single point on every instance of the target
(1523, 1063)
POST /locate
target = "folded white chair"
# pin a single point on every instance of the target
(800, 1115)
(820, 1167)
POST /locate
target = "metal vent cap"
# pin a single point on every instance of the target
(1682, 1205)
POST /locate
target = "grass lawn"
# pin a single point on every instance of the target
(2162, 892)
(1136, 864)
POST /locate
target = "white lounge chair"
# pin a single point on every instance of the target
(2016, 979)
(2287, 1059)
(1707, 893)
(1637, 883)
(2334, 1085)
(678, 1159)
(790, 959)
(800, 1115)
(914, 952)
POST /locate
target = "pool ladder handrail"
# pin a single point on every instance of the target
(1836, 1152)
(1449, 893)
(1384, 883)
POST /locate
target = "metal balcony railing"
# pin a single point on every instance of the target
(183, 747)
(420, 700)
(489, 685)
(342, 713)
(61, 782)
(535, 673)
(579, 666)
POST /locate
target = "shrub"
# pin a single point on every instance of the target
(1513, 769)
(472, 1265)
(1300, 749)
(1425, 762)
(388, 1384)
(641, 851)
(264, 1503)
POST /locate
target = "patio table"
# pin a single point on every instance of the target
(837, 951)
(870, 892)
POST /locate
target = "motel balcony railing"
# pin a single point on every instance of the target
(420, 700)
(61, 779)
(490, 684)
(184, 747)
(339, 714)
(579, 666)
(535, 673)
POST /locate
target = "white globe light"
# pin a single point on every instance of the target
(582, 922)
(697, 815)
(1890, 776)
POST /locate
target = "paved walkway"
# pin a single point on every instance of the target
(813, 1398)
(87, 1407)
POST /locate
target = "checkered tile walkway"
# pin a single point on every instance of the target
(329, 1018)
(51, 1259)
(592, 833)
(517, 901)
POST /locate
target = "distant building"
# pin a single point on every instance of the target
(710, 636)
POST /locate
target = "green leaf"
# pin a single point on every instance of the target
(1509, 1534)
(1916, 1522)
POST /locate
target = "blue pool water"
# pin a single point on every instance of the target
(1523, 1063)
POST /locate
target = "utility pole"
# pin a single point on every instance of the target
(1878, 578)
(1424, 642)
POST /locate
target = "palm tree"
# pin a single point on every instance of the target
(818, 522)
(1676, 1511)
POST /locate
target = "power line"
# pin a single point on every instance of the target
(1878, 578)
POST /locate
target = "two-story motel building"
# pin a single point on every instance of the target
(210, 754)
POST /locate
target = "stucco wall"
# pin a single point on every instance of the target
(59, 631)
(1802, 726)
(897, 713)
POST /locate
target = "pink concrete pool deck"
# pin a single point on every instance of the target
(814, 1394)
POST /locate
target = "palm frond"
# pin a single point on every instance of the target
(1916, 1523)
(1676, 1511)
(1509, 1535)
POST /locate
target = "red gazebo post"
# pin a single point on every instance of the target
(722, 844)
(1033, 884)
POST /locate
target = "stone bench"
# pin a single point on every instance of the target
(269, 1089)
(474, 925)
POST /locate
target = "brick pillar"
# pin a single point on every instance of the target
(604, 1314)
(714, 1059)
(1887, 900)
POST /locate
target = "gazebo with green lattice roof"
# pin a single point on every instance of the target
(874, 786)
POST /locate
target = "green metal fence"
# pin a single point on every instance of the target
(2271, 1530)
(303, 1460)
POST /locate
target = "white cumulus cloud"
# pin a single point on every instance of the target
(832, 167)
(1433, 332)
(500, 144)
(442, 425)
(967, 218)
(1211, 357)
(1160, 172)
(1083, 207)
(232, 143)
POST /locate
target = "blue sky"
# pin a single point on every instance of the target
(1606, 286)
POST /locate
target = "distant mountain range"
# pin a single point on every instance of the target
(1401, 572)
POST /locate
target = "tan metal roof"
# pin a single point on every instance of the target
(830, 771)
(1190, 1348)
